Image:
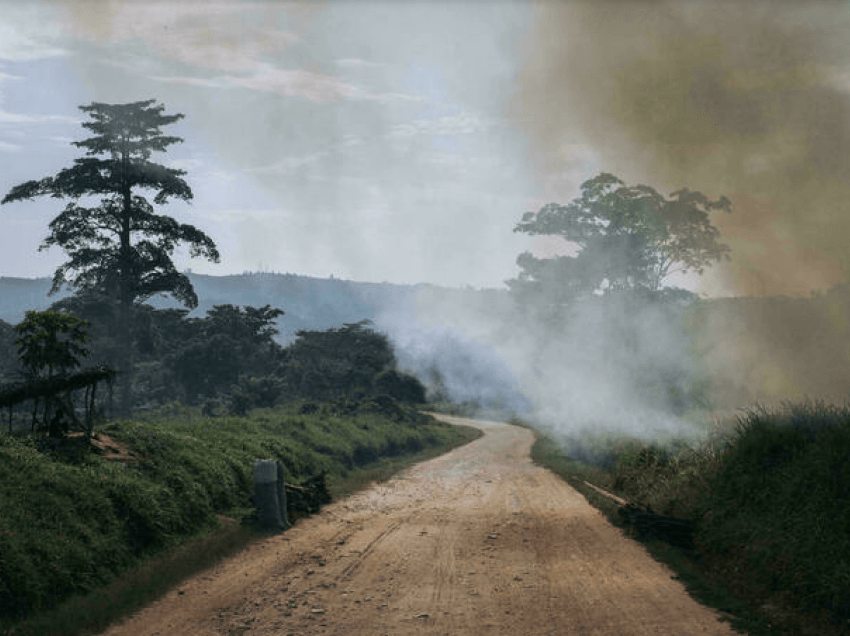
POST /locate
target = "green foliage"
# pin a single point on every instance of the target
(70, 527)
(229, 358)
(251, 392)
(97, 239)
(628, 238)
(213, 353)
(8, 351)
(119, 247)
(400, 386)
(779, 501)
(769, 506)
(50, 343)
(322, 365)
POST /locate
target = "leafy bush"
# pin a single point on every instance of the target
(400, 386)
(331, 364)
(250, 393)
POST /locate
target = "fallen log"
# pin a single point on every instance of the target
(649, 525)
(308, 497)
(605, 493)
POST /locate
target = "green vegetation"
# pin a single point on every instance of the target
(629, 239)
(228, 361)
(120, 249)
(73, 521)
(50, 344)
(769, 506)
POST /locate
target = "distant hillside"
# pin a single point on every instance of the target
(309, 303)
(19, 294)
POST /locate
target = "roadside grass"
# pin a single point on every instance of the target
(87, 542)
(769, 503)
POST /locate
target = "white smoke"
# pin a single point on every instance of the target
(453, 363)
(608, 368)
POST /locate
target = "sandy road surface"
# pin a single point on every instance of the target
(478, 541)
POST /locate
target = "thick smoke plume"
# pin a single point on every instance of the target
(609, 368)
(747, 99)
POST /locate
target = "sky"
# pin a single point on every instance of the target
(402, 141)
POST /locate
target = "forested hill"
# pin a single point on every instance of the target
(309, 303)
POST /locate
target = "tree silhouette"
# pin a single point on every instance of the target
(120, 247)
(629, 238)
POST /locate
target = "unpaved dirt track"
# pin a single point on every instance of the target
(478, 541)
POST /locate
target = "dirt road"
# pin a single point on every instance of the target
(478, 541)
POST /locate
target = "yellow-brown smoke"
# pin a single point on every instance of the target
(747, 99)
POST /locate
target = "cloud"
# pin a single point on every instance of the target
(17, 118)
(288, 164)
(358, 63)
(7, 118)
(460, 124)
(28, 32)
(233, 40)
(315, 87)
(8, 147)
(223, 36)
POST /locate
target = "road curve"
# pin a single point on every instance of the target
(477, 541)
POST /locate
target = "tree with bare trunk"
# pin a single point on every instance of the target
(116, 244)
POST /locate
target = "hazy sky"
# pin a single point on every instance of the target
(401, 141)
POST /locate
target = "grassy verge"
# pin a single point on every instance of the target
(769, 508)
(92, 541)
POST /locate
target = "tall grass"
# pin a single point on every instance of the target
(769, 502)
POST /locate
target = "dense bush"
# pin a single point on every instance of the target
(779, 501)
(769, 504)
(400, 386)
(331, 364)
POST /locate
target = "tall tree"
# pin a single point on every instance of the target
(627, 238)
(119, 246)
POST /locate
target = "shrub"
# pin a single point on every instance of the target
(400, 386)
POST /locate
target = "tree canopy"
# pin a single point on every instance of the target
(627, 238)
(213, 352)
(98, 239)
(116, 244)
(50, 343)
(331, 364)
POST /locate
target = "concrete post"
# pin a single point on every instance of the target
(270, 495)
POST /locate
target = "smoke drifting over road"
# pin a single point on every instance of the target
(454, 365)
(745, 99)
(610, 367)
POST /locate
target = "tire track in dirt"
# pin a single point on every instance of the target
(478, 541)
